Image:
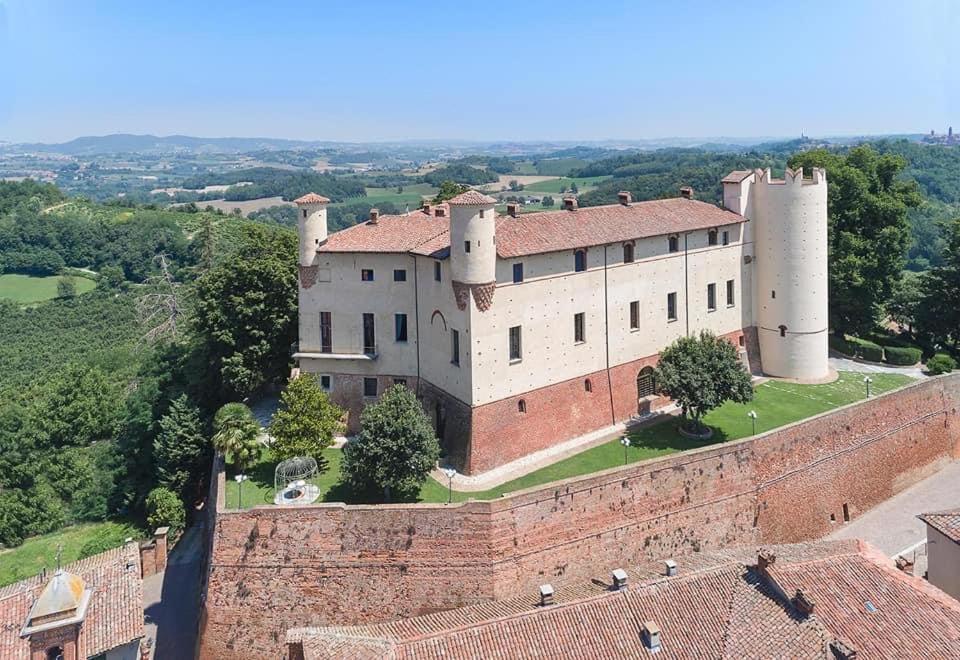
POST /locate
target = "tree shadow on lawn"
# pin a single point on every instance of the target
(665, 437)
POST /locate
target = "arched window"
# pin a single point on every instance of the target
(783, 331)
(628, 253)
(645, 383)
(587, 385)
(55, 653)
(521, 406)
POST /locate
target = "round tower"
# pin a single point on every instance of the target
(311, 225)
(789, 219)
(473, 249)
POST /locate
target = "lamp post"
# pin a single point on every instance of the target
(867, 380)
(240, 478)
(753, 419)
(625, 441)
(451, 473)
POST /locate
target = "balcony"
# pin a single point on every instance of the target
(355, 352)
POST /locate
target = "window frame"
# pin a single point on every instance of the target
(673, 244)
(326, 328)
(466, 247)
(454, 347)
(672, 307)
(518, 268)
(712, 297)
(579, 328)
(634, 315)
(712, 237)
(515, 355)
(401, 272)
(366, 389)
(629, 252)
(731, 293)
(363, 275)
(329, 386)
(580, 260)
(437, 276)
(400, 332)
(726, 237)
(369, 347)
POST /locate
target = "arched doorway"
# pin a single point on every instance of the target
(646, 389)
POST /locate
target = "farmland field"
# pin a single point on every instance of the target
(553, 186)
(30, 289)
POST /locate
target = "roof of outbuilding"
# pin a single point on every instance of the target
(535, 233)
(311, 198)
(945, 522)
(472, 198)
(720, 605)
(114, 614)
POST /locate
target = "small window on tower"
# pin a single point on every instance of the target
(587, 385)
(436, 270)
(521, 406)
(773, 294)
(783, 331)
(466, 246)
(304, 213)
(481, 213)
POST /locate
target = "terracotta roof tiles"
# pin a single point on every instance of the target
(472, 198)
(945, 522)
(311, 198)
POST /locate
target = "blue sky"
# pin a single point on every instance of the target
(523, 69)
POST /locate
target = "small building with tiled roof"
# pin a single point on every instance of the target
(92, 608)
(829, 601)
(943, 549)
(524, 330)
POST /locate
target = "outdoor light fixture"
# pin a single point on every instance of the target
(240, 478)
(753, 419)
(451, 473)
(625, 441)
(867, 380)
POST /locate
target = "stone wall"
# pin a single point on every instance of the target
(277, 568)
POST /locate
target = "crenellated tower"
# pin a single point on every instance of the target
(473, 248)
(788, 221)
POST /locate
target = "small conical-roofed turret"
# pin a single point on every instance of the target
(311, 225)
(473, 251)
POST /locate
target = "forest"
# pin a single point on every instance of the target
(274, 182)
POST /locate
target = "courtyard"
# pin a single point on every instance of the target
(776, 403)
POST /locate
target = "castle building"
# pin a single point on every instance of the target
(522, 331)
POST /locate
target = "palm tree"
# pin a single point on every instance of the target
(235, 435)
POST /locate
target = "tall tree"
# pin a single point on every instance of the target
(246, 311)
(180, 447)
(395, 450)
(235, 435)
(939, 311)
(305, 422)
(869, 232)
(700, 373)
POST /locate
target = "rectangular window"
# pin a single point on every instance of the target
(369, 387)
(579, 330)
(400, 381)
(400, 327)
(517, 272)
(369, 335)
(671, 306)
(580, 260)
(726, 238)
(712, 237)
(730, 299)
(399, 275)
(515, 347)
(466, 246)
(711, 297)
(635, 315)
(455, 346)
(325, 382)
(628, 253)
(674, 244)
(326, 333)
(436, 270)
(366, 274)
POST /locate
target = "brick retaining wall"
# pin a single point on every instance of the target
(277, 568)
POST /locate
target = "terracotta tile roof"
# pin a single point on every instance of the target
(736, 176)
(535, 233)
(114, 614)
(391, 233)
(551, 231)
(719, 606)
(945, 522)
(471, 198)
(311, 198)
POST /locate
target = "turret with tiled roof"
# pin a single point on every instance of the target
(472, 198)
(311, 226)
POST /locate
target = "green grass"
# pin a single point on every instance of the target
(776, 403)
(78, 542)
(553, 186)
(30, 289)
(411, 196)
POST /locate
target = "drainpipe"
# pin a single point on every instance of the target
(606, 334)
(686, 281)
(416, 317)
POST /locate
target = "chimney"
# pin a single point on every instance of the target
(625, 197)
(670, 567)
(904, 564)
(546, 595)
(802, 603)
(569, 203)
(513, 209)
(686, 192)
(439, 211)
(765, 560)
(841, 651)
(374, 216)
(651, 636)
(619, 579)
(427, 208)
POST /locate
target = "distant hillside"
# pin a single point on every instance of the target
(124, 143)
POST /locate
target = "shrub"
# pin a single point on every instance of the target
(941, 363)
(902, 356)
(866, 350)
(165, 509)
(841, 345)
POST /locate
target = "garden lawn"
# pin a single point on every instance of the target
(776, 403)
(78, 542)
(29, 289)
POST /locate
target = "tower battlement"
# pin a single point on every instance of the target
(792, 177)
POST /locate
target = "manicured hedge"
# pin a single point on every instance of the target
(902, 356)
(841, 345)
(941, 363)
(866, 350)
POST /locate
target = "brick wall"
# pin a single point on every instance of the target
(276, 568)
